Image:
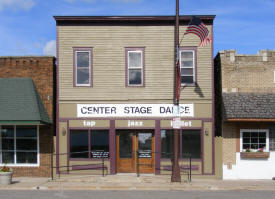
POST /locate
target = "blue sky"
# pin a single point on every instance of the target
(27, 27)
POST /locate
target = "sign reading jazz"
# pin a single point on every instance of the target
(134, 110)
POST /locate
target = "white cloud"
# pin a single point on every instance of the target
(50, 48)
(16, 4)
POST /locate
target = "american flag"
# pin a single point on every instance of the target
(197, 27)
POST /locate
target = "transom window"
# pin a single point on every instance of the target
(187, 66)
(135, 66)
(19, 145)
(89, 144)
(254, 139)
(83, 66)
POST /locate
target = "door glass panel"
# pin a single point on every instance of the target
(145, 145)
(125, 145)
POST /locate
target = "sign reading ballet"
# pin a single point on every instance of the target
(134, 110)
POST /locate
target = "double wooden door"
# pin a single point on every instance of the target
(135, 151)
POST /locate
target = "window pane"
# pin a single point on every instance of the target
(262, 146)
(7, 131)
(145, 145)
(262, 140)
(246, 134)
(187, 55)
(7, 157)
(254, 134)
(7, 144)
(83, 76)
(246, 146)
(255, 140)
(167, 143)
(187, 79)
(26, 131)
(79, 144)
(186, 71)
(191, 143)
(187, 64)
(135, 76)
(262, 134)
(246, 140)
(26, 157)
(254, 146)
(125, 145)
(134, 59)
(26, 144)
(82, 59)
(99, 143)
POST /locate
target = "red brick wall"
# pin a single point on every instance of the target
(42, 71)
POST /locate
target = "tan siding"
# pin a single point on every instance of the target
(109, 44)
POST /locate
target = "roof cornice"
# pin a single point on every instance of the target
(131, 18)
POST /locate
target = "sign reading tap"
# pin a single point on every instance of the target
(134, 110)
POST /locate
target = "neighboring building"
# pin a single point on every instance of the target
(115, 79)
(27, 114)
(247, 84)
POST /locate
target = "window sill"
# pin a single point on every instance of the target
(189, 85)
(20, 165)
(255, 155)
(88, 159)
(135, 86)
(182, 159)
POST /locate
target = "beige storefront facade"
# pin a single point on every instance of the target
(115, 96)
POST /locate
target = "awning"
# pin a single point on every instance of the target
(20, 103)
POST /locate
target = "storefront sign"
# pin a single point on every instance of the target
(181, 124)
(134, 110)
(89, 123)
(135, 123)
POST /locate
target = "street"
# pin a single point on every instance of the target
(241, 194)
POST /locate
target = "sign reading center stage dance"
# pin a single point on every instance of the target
(134, 110)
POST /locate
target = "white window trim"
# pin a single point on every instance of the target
(274, 76)
(21, 165)
(254, 130)
(77, 51)
(141, 67)
(194, 71)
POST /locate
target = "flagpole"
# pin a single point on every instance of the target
(175, 167)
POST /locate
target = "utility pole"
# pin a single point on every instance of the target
(175, 167)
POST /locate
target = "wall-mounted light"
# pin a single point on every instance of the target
(64, 131)
(206, 132)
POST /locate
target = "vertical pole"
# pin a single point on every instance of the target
(190, 166)
(175, 168)
(138, 163)
(52, 165)
(102, 164)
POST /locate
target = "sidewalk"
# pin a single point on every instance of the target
(132, 182)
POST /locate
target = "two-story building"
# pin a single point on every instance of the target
(115, 89)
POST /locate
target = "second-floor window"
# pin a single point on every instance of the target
(135, 66)
(188, 66)
(83, 67)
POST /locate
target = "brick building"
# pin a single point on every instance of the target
(27, 115)
(245, 104)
